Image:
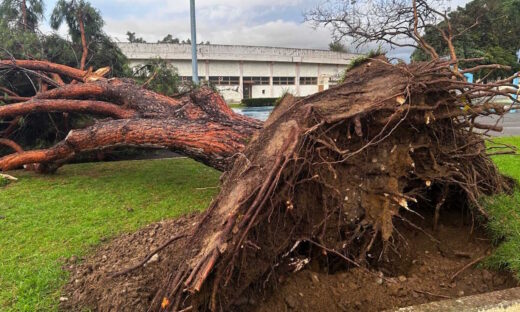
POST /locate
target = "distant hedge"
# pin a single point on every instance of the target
(259, 102)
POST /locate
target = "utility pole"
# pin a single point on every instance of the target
(194, 65)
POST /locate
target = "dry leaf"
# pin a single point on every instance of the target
(165, 303)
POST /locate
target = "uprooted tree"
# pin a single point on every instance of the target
(329, 173)
(198, 124)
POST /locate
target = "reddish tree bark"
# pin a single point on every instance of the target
(198, 124)
(83, 40)
(48, 67)
(13, 145)
(48, 106)
(24, 14)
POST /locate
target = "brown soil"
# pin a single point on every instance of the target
(422, 275)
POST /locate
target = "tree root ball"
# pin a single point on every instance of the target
(328, 176)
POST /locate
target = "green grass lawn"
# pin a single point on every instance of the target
(45, 219)
(505, 215)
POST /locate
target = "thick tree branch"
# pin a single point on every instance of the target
(48, 106)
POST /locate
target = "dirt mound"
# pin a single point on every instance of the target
(93, 285)
(422, 275)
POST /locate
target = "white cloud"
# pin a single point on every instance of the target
(274, 33)
(242, 22)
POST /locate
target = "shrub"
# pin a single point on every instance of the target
(259, 102)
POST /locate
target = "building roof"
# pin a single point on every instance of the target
(144, 51)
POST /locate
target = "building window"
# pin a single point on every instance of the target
(186, 79)
(308, 80)
(283, 80)
(257, 80)
(224, 80)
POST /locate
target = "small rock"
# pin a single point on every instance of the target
(314, 278)
(379, 281)
(104, 258)
(130, 209)
(460, 293)
(300, 294)
(402, 278)
(153, 259)
(63, 299)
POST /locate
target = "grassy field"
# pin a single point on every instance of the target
(45, 219)
(505, 215)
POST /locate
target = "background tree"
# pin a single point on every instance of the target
(41, 130)
(337, 46)
(131, 37)
(169, 39)
(159, 76)
(84, 21)
(25, 14)
(489, 34)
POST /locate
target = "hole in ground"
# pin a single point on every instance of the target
(420, 271)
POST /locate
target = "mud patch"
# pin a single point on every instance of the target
(422, 275)
(92, 285)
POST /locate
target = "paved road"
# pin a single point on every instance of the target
(510, 122)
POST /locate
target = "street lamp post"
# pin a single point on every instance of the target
(194, 64)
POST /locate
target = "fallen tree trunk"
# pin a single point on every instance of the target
(198, 124)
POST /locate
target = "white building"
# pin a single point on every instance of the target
(242, 72)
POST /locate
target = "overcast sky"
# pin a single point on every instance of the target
(246, 22)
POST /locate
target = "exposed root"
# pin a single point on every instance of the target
(334, 170)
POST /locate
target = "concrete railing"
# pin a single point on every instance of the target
(142, 51)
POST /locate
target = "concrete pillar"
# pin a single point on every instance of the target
(297, 82)
(206, 65)
(241, 81)
(271, 73)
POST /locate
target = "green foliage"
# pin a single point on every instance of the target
(133, 39)
(11, 11)
(71, 12)
(169, 39)
(337, 46)
(504, 211)
(43, 130)
(259, 102)
(159, 75)
(4, 181)
(496, 37)
(361, 60)
(50, 218)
